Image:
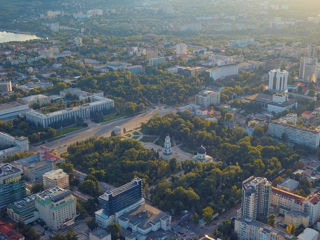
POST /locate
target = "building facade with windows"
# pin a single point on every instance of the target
(12, 110)
(12, 145)
(118, 201)
(57, 207)
(256, 198)
(296, 134)
(309, 69)
(97, 104)
(55, 178)
(5, 87)
(12, 186)
(34, 167)
(249, 229)
(120, 198)
(23, 210)
(224, 71)
(284, 201)
(278, 80)
(208, 97)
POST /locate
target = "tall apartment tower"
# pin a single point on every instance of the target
(12, 187)
(309, 69)
(256, 198)
(278, 80)
(181, 49)
(312, 51)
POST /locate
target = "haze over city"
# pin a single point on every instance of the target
(159, 120)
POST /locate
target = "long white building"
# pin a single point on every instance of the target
(13, 144)
(224, 71)
(12, 110)
(307, 137)
(248, 229)
(84, 111)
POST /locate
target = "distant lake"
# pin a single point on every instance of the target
(19, 37)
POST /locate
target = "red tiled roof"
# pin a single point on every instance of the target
(307, 112)
(9, 232)
(51, 157)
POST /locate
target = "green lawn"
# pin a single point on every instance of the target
(66, 130)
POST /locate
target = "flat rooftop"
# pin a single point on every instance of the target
(23, 202)
(288, 183)
(29, 160)
(7, 169)
(252, 181)
(260, 97)
(123, 188)
(144, 216)
(6, 106)
(55, 174)
(55, 194)
(206, 92)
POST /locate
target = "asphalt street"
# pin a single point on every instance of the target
(102, 129)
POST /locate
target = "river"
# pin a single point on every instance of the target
(19, 37)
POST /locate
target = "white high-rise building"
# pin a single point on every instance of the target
(208, 97)
(78, 41)
(309, 69)
(278, 80)
(5, 87)
(256, 198)
(57, 207)
(181, 49)
(167, 146)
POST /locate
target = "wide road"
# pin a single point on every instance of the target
(103, 129)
